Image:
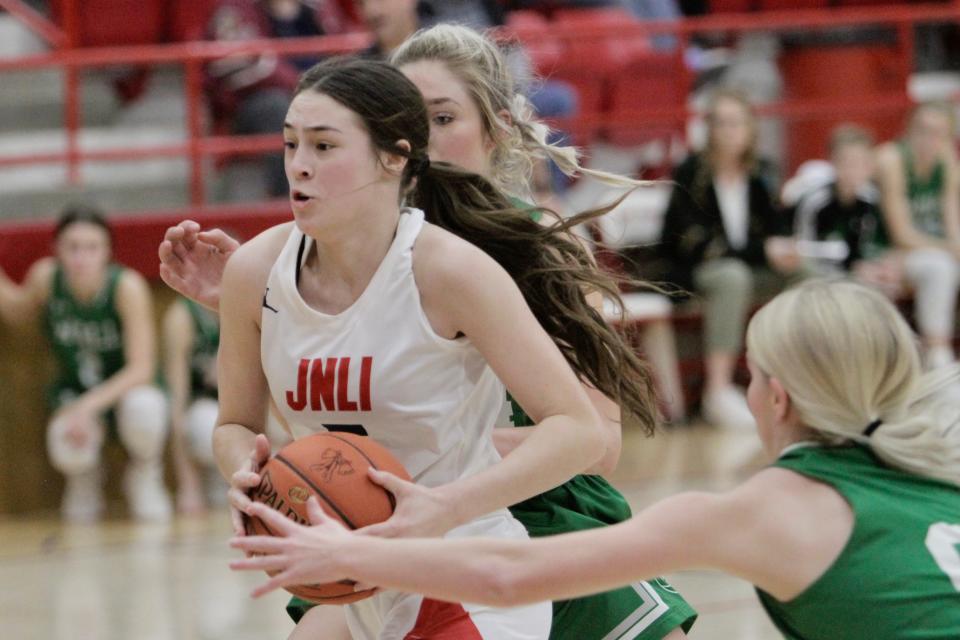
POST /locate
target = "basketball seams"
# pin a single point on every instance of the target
(317, 489)
(390, 497)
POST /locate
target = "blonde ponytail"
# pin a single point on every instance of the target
(849, 361)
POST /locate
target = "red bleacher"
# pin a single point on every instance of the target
(630, 92)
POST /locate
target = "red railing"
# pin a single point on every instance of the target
(193, 55)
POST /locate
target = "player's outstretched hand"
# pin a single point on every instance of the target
(192, 261)
(297, 553)
(246, 479)
(421, 512)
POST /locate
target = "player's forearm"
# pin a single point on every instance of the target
(107, 394)
(232, 444)
(951, 220)
(500, 572)
(477, 570)
(506, 439)
(555, 450)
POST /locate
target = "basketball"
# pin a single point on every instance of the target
(332, 467)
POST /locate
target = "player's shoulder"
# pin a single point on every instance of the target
(131, 280)
(782, 494)
(443, 259)
(253, 260)
(39, 278)
(41, 271)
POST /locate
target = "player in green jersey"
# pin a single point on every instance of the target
(99, 320)
(852, 533)
(479, 122)
(919, 179)
(191, 336)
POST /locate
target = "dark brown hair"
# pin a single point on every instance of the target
(551, 268)
(80, 212)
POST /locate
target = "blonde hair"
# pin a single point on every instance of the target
(520, 139)
(729, 94)
(848, 359)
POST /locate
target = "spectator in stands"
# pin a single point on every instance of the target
(477, 14)
(251, 92)
(191, 337)
(841, 204)
(719, 236)
(919, 182)
(98, 317)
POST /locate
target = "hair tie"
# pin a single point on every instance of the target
(872, 427)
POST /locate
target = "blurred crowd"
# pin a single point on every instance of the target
(885, 213)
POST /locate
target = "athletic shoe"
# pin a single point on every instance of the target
(83, 497)
(146, 496)
(727, 408)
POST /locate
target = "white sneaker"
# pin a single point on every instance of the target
(146, 496)
(83, 497)
(937, 357)
(727, 408)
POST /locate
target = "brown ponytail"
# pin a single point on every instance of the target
(551, 268)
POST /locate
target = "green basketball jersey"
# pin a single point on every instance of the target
(203, 357)
(643, 610)
(898, 577)
(925, 196)
(87, 338)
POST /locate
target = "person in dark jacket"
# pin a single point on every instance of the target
(720, 236)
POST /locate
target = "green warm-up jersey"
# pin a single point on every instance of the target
(925, 196)
(203, 356)
(87, 338)
(898, 577)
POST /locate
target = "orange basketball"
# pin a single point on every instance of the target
(332, 467)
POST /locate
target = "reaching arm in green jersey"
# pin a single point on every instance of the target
(779, 531)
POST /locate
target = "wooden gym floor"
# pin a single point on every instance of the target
(121, 581)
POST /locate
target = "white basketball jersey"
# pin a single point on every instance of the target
(378, 367)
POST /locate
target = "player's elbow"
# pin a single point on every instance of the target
(608, 462)
(502, 582)
(594, 442)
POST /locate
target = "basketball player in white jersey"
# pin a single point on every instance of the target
(472, 101)
(403, 337)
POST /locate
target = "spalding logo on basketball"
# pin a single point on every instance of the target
(298, 494)
(332, 467)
